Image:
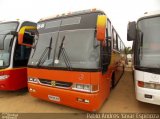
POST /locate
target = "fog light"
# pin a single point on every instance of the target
(86, 101)
(33, 90)
(30, 89)
(79, 99)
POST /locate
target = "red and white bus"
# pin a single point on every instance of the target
(76, 59)
(13, 56)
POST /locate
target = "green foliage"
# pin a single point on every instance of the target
(128, 50)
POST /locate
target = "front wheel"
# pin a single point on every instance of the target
(113, 81)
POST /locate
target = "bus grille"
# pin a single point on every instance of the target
(53, 83)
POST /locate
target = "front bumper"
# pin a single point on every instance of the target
(154, 95)
(67, 97)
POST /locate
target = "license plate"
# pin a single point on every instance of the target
(54, 98)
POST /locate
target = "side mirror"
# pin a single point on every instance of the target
(101, 27)
(26, 35)
(131, 31)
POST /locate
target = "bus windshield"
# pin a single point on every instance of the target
(67, 43)
(149, 54)
(6, 42)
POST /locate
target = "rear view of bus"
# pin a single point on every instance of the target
(146, 46)
(70, 61)
(13, 56)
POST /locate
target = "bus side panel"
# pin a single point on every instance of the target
(116, 65)
(17, 79)
(104, 81)
(96, 79)
(105, 86)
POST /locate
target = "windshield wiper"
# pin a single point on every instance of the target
(47, 50)
(61, 47)
(50, 48)
(64, 53)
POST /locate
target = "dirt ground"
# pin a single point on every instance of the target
(121, 100)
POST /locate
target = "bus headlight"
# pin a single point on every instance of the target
(3, 77)
(157, 87)
(86, 88)
(79, 86)
(149, 85)
(33, 80)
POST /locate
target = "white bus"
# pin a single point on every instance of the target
(145, 34)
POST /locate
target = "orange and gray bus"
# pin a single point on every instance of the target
(75, 60)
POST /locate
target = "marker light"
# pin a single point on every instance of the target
(140, 83)
(83, 100)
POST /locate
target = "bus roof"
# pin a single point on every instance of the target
(20, 21)
(71, 14)
(150, 14)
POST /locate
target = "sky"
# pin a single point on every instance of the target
(120, 12)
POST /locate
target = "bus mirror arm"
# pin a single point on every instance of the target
(14, 33)
(108, 38)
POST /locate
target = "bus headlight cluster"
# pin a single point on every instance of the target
(85, 87)
(33, 80)
(3, 77)
(152, 86)
(149, 85)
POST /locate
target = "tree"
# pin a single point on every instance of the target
(128, 50)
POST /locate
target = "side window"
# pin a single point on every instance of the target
(119, 44)
(115, 43)
(106, 48)
(109, 28)
(21, 55)
(122, 49)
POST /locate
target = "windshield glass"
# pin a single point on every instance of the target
(149, 55)
(80, 49)
(6, 42)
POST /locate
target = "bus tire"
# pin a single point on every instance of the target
(113, 80)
